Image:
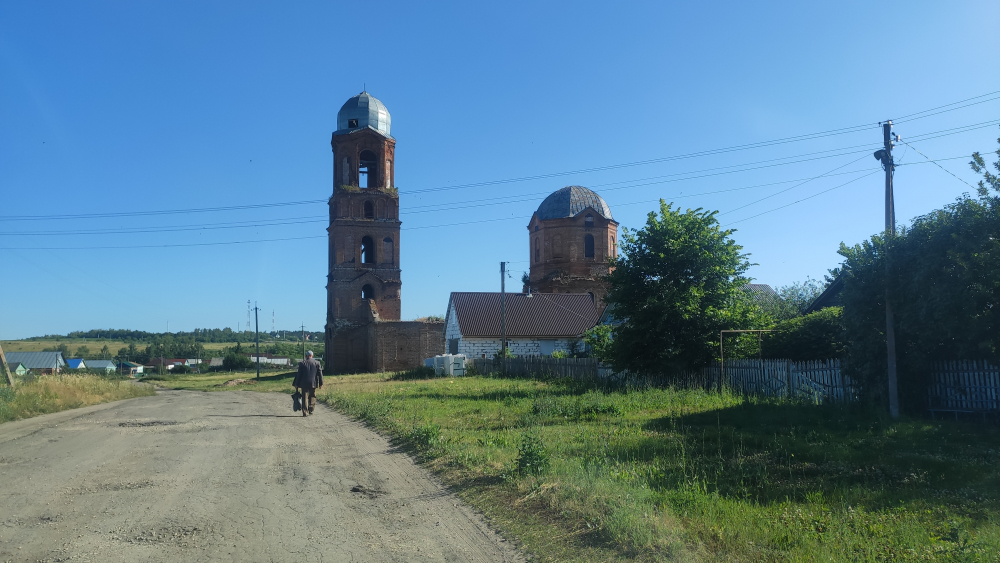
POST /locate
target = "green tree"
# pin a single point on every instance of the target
(943, 278)
(105, 352)
(816, 336)
(82, 351)
(675, 284)
(796, 298)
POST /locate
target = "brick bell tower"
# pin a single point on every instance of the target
(363, 279)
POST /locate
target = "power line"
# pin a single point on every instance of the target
(710, 152)
(805, 198)
(936, 164)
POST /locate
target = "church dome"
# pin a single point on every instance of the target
(570, 201)
(363, 110)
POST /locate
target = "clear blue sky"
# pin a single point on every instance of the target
(131, 107)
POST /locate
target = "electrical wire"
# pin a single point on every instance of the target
(804, 199)
(938, 165)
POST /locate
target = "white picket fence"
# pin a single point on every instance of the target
(967, 386)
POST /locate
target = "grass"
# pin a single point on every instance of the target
(577, 473)
(53, 393)
(277, 381)
(677, 474)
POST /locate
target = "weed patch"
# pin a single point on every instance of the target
(53, 393)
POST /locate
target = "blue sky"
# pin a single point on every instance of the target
(133, 107)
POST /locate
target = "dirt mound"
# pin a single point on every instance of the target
(234, 382)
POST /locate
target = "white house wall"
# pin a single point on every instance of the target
(488, 347)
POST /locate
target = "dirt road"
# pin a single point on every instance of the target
(232, 476)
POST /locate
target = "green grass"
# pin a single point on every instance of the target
(278, 381)
(674, 474)
(53, 393)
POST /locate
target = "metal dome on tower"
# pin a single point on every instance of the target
(363, 111)
(570, 202)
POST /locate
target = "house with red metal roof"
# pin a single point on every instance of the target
(537, 324)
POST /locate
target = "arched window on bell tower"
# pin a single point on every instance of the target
(367, 250)
(367, 169)
(369, 210)
(367, 292)
(588, 246)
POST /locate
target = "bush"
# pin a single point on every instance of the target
(532, 457)
(179, 369)
(236, 362)
(816, 336)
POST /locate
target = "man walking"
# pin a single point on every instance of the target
(308, 380)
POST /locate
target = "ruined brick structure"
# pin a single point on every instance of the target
(570, 238)
(363, 330)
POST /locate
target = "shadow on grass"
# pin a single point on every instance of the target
(770, 452)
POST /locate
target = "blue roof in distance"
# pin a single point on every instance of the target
(570, 201)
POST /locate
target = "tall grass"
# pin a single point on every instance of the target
(53, 393)
(668, 474)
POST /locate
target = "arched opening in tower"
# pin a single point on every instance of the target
(369, 210)
(388, 252)
(367, 250)
(588, 246)
(367, 292)
(367, 169)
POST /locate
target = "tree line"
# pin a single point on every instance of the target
(681, 279)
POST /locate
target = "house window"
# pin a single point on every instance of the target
(369, 210)
(367, 292)
(367, 251)
(547, 347)
(352, 123)
(588, 246)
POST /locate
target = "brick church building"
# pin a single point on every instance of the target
(570, 237)
(364, 280)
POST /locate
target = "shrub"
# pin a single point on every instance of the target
(560, 354)
(179, 369)
(236, 362)
(816, 336)
(532, 457)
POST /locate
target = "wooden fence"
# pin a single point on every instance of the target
(816, 380)
(964, 386)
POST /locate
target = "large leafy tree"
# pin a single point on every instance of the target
(675, 284)
(944, 286)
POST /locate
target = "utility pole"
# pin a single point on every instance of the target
(256, 335)
(503, 318)
(6, 368)
(303, 341)
(885, 156)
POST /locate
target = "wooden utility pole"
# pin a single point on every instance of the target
(503, 318)
(885, 156)
(6, 368)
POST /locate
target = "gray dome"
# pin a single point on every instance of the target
(367, 110)
(570, 201)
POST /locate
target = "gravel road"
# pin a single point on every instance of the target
(229, 476)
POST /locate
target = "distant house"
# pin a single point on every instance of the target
(39, 363)
(108, 366)
(17, 368)
(215, 363)
(155, 363)
(271, 359)
(75, 363)
(830, 296)
(764, 295)
(130, 368)
(537, 324)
